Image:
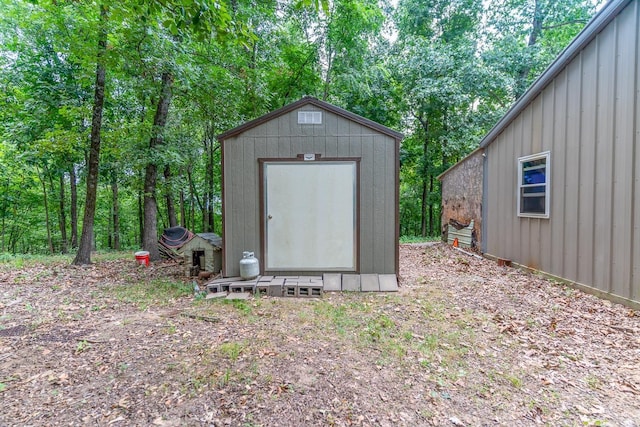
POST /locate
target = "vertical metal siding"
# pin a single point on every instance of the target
(622, 194)
(513, 137)
(635, 173)
(589, 118)
(605, 115)
(361, 146)
(572, 142)
(586, 180)
(557, 122)
(283, 137)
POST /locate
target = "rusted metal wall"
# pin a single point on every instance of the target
(282, 137)
(588, 117)
(462, 194)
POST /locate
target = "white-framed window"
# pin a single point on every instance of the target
(309, 117)
(534, 178)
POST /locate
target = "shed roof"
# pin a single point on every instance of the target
(588, 33)
(309, 100)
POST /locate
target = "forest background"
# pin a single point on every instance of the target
(109, 111)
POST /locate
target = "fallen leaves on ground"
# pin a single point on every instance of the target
(465, 342)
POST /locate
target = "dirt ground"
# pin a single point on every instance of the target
(464, 343)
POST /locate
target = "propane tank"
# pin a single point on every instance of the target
(249, 266)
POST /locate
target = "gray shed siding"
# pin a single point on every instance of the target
(337, 137)
(588, 117)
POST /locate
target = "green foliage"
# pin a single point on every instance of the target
(441, 72)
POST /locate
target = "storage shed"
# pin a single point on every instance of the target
(561, 172)
(311, 188)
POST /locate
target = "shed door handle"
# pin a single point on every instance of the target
(270, 217)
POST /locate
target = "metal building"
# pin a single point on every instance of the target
(311, 188)
(561, 172)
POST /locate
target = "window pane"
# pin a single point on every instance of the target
(534, 205)
(533, 190)
(533, 175)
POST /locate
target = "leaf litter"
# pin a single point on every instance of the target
(464, 342)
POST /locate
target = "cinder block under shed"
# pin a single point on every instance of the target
(388, 283)
(351, 282)
(369, 283)
(305, 286)
(332, 282)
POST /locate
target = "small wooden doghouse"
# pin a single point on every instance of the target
(202, 253)
(311, 188)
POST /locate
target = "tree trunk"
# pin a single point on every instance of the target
(425, 168)
(115, 212)
(536, 30)
(430, 205)
(327, 81)
(423, 209)
(194, 194)
(171, 210)
(46, 212)
(84, 251)
(74, 206)
(63, 218)
(150, 235)
(183, 218)
(207, 212)
(140, 218)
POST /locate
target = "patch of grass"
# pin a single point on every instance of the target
(419, 239)
(337, 317)
(82, 346)
(514, 380)
(160, 292)
(231, 350)
(593, 382)
(111, 255)
(429, 344)
(20, 260)
(243, 306)
(377, 328)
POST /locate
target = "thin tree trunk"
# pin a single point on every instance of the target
(194, 194)
(424, 200)
(208, 179)
(327, 81)
(171, 210)
(210, 189)
(63, 218)
(74, 206)
(423, 210)
(46, 212)
(430, 205)
(84, 251)
(150, 235)
(183, 219)
(115, 212)
(536, 30)
(140, 218)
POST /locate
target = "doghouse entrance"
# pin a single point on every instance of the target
(198, 260)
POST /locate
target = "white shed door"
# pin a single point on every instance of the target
(310, 215)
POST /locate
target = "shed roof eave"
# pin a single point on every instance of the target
(318, 103)
(588, 33)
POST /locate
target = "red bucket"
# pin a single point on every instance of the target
(142, 258)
